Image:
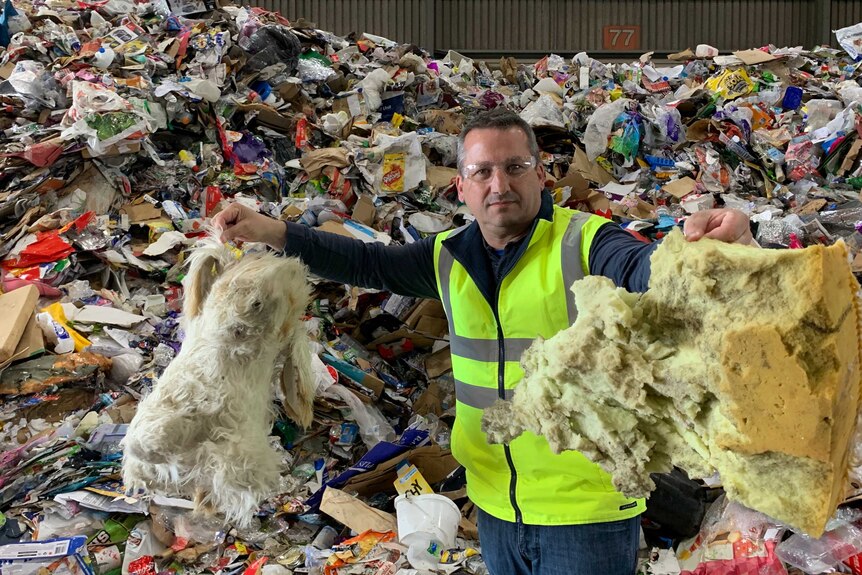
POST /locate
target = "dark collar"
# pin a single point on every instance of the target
(468, 248)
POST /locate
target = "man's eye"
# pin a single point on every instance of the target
(515, 169)
(482, 173)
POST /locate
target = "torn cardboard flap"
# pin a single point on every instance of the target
(754, 57)
(643, 211)
(32, 342)
(573, 180)
(355, 514)
(364, 211)
(680, 188)
(444, 121)
(142, 212)
(591, 201)
(432, 461)
(314, 161)
(334, 227)
(439, 177)
(811, 207)
(431, 400)
(700, 130)
(16, 309)
(268, 116)
(851, 157)
(438, 362)
(591, 171)
(426, 307)
(683, 56)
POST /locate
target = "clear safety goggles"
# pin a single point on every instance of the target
(512, 168)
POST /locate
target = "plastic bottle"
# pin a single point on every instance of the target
(104, 57)
(55, 333)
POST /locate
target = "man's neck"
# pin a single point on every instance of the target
(499, 241)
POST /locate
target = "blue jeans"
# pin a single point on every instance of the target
(592, 549)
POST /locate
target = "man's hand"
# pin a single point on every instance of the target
(239, 223)
(731, 226)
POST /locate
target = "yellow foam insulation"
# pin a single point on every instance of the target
(737, 359)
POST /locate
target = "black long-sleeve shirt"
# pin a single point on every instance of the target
(409, 269)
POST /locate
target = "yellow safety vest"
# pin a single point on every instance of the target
(524, 480)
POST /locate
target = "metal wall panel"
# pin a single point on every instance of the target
(846, 13)
(530, 27)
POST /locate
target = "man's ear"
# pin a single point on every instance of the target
(540, 171)
(459, 183)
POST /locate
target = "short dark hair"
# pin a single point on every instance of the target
(497, 119)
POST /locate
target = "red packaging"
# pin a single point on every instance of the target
(213, 197)
(855, 564)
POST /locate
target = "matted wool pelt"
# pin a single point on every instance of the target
(203, 432)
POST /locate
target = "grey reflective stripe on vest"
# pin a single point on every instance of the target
(487, 349)
(444, 267)
(478, 397)
(570, 253)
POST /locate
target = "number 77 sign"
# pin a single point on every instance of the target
(621, 38)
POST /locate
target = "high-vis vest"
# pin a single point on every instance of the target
(524, 480)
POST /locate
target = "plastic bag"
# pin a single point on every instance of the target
(670, 126)
(373, 427)
(272, 44)
(742, 538)
(731, 84)
(313, 70)
(850, 38)
(599, 127)
(396, 164)
(372, 86)
(31, 80)
(627, 139)
(141, 549)
(544, 112)
(802, 159)
(820, 555)
(821, 112)
(103, 117)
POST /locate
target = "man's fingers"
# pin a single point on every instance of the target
(695, 226)
(237, 233)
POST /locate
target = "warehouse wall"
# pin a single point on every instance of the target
(529, 28)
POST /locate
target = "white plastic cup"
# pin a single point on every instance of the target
(421, 517)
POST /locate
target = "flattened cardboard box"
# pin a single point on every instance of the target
(16, 309)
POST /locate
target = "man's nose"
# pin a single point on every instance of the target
(499, 182)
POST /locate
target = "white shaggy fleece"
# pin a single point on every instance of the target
(203, 431)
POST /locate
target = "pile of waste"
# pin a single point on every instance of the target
(127, 125)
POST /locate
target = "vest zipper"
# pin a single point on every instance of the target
(501, 393)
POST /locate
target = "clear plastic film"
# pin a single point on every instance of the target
(814, 556)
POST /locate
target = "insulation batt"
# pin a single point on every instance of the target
(736, 359)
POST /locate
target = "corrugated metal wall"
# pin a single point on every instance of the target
(672, 25)
(846, 13)
(529, 27)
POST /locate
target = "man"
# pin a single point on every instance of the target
(504, 280)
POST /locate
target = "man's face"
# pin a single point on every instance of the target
(499, 181)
